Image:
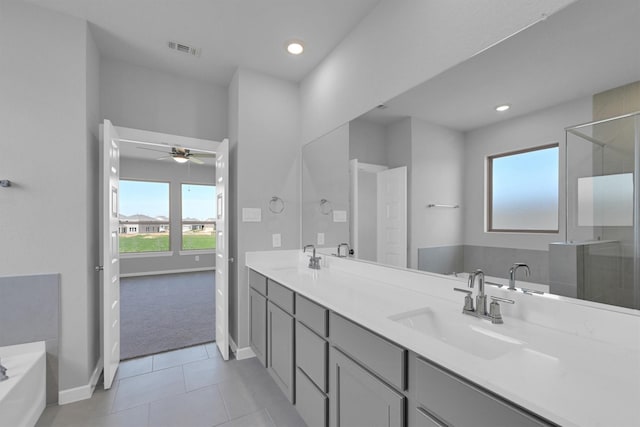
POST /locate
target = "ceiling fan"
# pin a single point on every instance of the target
(181, 155)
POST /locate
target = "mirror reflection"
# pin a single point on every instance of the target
(580, 65)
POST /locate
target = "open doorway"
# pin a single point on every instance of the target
(167, 243)
(167, 214)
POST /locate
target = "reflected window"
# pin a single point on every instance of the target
(522, 191)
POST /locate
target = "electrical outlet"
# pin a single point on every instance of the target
(197, 258)
(276, 240)
(320, 238)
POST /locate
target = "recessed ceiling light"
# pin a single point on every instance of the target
(503, 107)
(295, 47)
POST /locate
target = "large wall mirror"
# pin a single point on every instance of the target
(406, 183)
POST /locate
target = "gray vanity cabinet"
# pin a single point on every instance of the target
(280, 350)
(359, 398)
(340, 374)
(312, 361)
(258, 310)
(444, 399)
(258, 327)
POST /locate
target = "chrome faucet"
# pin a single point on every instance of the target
(481, 300)
(3, 372)
(314, 261)
(346, 253)
(512, 274)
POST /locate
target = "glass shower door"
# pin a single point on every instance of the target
(602, 178)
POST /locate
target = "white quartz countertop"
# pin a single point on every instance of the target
(572, 364)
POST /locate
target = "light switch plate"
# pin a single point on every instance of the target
(276, 240)
(320, 239)
(339, 216)
(251, 214)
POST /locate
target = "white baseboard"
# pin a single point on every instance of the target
(84, 391)
(241, 353)
(158, 273)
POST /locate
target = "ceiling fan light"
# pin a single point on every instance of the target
(180, 159)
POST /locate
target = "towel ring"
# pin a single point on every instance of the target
(276, 205)
(325, 207)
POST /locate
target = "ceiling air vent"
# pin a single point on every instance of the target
(184, 48)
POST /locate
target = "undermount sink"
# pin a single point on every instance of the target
(469, 334)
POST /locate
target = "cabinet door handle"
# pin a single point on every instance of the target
(431, 417)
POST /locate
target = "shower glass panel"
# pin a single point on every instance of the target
(602, 167)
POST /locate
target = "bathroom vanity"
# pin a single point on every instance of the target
(362, 344)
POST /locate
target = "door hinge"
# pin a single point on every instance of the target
(99, 268)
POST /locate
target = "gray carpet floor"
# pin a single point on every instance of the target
(166, 312)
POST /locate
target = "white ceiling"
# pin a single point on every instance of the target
(589, 47)
(231, 33)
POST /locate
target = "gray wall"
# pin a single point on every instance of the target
(367, 142)
(30, 311)
(144, 98)
(47, 80)
(176, 174)
(437, 164)
(325, 175)
(265, 162)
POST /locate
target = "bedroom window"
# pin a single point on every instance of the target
(198, 217)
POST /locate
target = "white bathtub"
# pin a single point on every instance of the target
(22, 396)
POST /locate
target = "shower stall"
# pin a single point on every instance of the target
(600, 257)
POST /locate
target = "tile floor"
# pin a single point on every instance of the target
(191, 387)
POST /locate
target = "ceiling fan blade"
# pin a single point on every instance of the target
(164, 157)
(195, 160)
(151, 149)
(203, 155)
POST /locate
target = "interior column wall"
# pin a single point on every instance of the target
(266, 159)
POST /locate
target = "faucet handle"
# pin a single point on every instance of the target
(468, 301)
(494, 309)
(507, 300)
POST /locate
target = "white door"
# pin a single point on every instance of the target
(109, 251)
(222, 249)
(392, 216)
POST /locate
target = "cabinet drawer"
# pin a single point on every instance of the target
(456, 402)
(312, 315)
(280, 295)
(311, 355)
(258, 282)
(311, 403)
(258, 325)
(383, 357)
(359, 398)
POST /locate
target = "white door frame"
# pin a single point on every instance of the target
(168, 140)
(355, 167)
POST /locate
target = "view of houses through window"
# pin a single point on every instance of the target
(145, 222)
(198, 217)
(144, 216)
